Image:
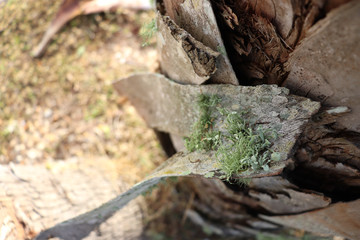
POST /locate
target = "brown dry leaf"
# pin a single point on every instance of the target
(72, 8)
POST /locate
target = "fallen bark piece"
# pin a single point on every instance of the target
(325, 66)
(182, 58)
(198, 19)
(73, 8)
(39, 197)
(338, 219)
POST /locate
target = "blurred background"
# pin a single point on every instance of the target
(63, 105)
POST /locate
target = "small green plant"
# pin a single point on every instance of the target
(203, 137)
(239, 147)
(147, 31)
(244, 146)
(95, 110)
(221, 50)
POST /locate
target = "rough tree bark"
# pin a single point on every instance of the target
(33, 198)
(312, 48)
(309, 46)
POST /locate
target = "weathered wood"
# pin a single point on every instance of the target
(198, 19)
(270, 106)
(171, 107)
(338, 219)
(326, 169)
(38, 198)
(325, 66)
(182, 58)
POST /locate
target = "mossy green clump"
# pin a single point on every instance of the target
(244, 146)
(239, 147)
(203, 137)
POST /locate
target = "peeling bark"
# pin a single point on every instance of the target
(197, 18)
(340, 218)
(325, 66)
(182, 58)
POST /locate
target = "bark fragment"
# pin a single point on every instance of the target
(325, 66)
(198, 19)
(182, 58)
(338, 219)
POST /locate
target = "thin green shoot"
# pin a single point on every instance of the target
(147, 32)
(203, 137)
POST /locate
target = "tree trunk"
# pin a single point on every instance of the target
(312, 48)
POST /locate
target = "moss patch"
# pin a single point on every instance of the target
(244, 146)
(239, 147)
(203, 137)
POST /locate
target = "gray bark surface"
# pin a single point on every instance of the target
(34, 198)
(181, 56)
(325, 66)
(171, 107)
(198, 19)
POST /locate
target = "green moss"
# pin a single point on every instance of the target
(244, 146)
(240, 146)
(203, 137)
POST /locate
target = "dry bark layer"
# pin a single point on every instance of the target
(171, 107)
(265, 104)
(182, 58)
(259, 36)
(34, 198)
(198, 19)
(325, 66)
